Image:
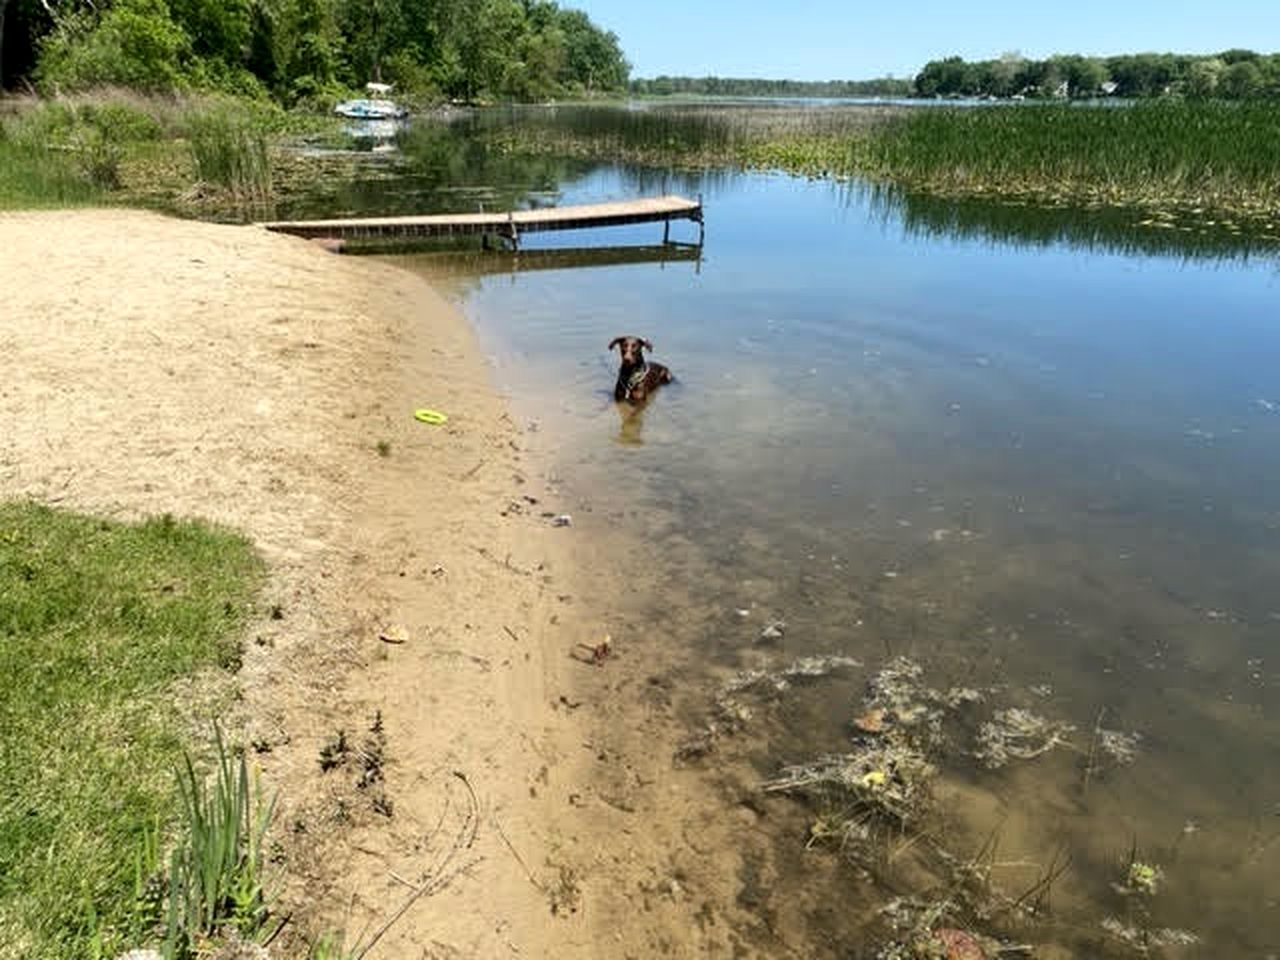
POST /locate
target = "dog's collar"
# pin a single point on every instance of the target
(637, 376)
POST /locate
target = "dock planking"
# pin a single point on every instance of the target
(507, 225)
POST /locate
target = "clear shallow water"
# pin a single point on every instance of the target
(1040, 461)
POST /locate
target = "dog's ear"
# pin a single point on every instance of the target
(646, 344)
(615, 341)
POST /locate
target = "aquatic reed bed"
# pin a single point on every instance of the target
(1221, 156)
(230, 151)
(798, 138)
(1200, 159)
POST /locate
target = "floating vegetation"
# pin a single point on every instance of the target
(1143, 878)
(1120, 747)
(898, 691)
(1143, 939)
(889, 780)
(780, 680)
(874, 804)
(920, 933)
(729, 705)
(1018, 734)
(731, 711)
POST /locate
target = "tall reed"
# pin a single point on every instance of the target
(230, 151)
(1212, 152)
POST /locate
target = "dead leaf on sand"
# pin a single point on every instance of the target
(395, 633)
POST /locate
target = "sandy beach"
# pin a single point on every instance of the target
(162, 366)
(483, 792)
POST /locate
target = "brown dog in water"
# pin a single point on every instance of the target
(637, 377)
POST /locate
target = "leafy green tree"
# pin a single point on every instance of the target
(1204, 76)
(22, 24)
(1241, 81)
(1084, 75)
(942, 77)
(221, 29)
(1234, 56)
(593, 58)
(1004, 73)
(372, 31)
(135, 44)
(308, 48)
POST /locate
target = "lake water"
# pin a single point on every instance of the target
(1035, 452)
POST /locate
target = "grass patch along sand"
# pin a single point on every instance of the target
(99, 623)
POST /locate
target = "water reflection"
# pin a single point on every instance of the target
(630, 424)
(1099, 229)
(472, 263)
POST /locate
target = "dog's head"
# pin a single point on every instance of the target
(631, 348)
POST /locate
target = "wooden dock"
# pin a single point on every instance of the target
(508, 226)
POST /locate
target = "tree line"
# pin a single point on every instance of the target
(1232, 74)
(749, 87)
(296, 50)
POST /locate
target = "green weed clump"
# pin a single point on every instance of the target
(98, 623)
(230, 151)
(215, 878)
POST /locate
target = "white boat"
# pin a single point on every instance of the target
(372, 108)
(364, 109)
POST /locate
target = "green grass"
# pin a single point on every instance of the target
(67, 153)
(99, 624)
(33, 177)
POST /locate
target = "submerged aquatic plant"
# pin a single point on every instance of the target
(1121, 747)
(1018, 734)
(1143, 877)
(889, 780)
(1143, 939)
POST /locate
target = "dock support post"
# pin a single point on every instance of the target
(666, 231)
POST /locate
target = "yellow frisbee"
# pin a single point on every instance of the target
(433, 417)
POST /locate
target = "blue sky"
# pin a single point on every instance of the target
(831, 39)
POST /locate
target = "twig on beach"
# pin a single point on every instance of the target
(473, 471)
(505, 562)
(450, 865)
(519, 859)
(401, 880)
(511, 633)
